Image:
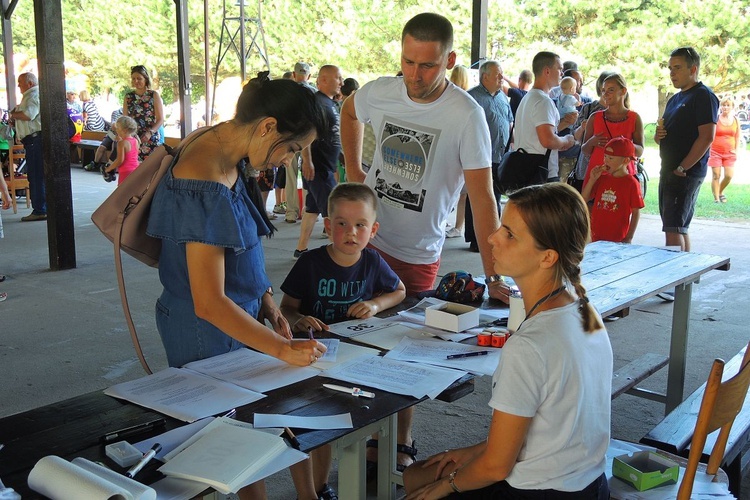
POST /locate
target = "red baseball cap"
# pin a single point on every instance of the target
(620, 146)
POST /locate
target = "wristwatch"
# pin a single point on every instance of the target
(269, 291)
(680, 169)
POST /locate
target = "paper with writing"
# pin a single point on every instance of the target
(340, 421)
(183, 394)
(434, 352)
(399, 377)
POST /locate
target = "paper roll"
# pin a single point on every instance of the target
(517, 312)
(59, 479)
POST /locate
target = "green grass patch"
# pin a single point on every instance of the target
(736, 209)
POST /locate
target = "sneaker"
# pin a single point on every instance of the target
(297, 253)
(327, 493)
(666, 296)
(271, 216)
(91, 167)
(290, 218)
(4, 296)
(454, 232)
(280, 208)
(32, 217)
(324, 235)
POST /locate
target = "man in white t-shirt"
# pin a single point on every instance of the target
(431, 137)
(537, 118)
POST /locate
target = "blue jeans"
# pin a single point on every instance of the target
(35, 173)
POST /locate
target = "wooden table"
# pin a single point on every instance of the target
(617, 276)
(73, 428)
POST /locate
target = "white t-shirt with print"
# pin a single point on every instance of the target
(420, 155)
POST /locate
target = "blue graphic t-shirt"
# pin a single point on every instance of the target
(327, 290)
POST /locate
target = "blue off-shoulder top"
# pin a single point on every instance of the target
(189, 210)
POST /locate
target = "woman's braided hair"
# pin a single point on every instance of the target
(558, 219)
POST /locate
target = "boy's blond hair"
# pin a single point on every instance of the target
(352, 191)
(568, 83)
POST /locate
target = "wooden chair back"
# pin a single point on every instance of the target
(722, 402)
(15, 181)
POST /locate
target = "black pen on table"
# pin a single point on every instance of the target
(146, 458)
(291, 438)
(133, 430)
(467, 354)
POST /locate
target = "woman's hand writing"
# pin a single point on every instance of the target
(303, 352)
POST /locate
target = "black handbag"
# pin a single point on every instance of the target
(520, 169)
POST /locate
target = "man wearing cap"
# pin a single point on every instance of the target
(684, 135)
(28, 124)
(301, 75)
(432, 138)
(617, 194)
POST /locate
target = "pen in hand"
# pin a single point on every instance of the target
(143, 461)
(310, 333)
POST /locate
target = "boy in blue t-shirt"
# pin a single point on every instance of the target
(343, 279)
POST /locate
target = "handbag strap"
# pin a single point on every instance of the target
(510, 138)
(124, 294)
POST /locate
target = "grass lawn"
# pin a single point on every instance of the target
(736, 209)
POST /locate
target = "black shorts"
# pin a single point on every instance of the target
(318, 191)
(597, 490)
(677, 197)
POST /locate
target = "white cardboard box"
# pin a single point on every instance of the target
(452, 317)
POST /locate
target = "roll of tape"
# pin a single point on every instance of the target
(484, 339)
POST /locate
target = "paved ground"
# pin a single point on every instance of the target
(63, 332)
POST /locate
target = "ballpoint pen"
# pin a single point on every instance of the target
(310, 333)
(143, 461)
(354, 391)
(467, 354)
(131, 431)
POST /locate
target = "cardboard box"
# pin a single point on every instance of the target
(452, 317)
(645, 470)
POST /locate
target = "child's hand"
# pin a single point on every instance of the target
(362, 310)
(6, 203)
(595, 173)
(306, 322)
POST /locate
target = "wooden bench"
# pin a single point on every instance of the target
(675, 432)
(629, 376)
(91, 140)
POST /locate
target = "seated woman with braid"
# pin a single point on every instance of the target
(551, 389)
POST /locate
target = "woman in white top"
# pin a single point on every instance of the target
(551, 390)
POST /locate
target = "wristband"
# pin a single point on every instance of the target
(681, 169)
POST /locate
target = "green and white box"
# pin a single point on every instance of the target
(645, 470)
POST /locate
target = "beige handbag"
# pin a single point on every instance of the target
(123, 218)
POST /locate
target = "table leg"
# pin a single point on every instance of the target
(678, 346)
(387, 475)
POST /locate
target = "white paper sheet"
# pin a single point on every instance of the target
(434, 352)
(172, 439)
(345, 352)
(332, 349)
(399, 377)
(357, 327)
(252, 370)
(340, 421)
(183, 394)
(416, 313)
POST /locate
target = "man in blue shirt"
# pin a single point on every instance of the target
(493, 101)
(684, 135)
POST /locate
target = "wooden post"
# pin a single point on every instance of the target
(55, 144)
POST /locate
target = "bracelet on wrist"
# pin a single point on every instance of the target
(451, 481)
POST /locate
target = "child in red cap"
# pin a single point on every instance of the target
(616, 194)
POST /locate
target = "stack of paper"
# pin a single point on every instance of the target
(226, 457)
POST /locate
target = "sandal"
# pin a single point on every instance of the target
(722, 198)
(3, 296)
(372, 467)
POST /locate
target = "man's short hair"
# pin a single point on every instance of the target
(29, 78)
(567, 65)
(526, 76)
(542, 61)
(352, 191)
(486, 67)
(691, 56)
(430, 27)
